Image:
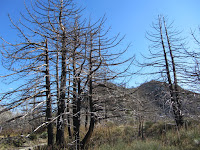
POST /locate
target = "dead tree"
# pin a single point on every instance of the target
(48, 100)
(177, 106)
(74, 53)
(34, 59)
(61, 103)
(166, 45)
(192, 71)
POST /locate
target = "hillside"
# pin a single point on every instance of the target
(150, 100)
(158, 93)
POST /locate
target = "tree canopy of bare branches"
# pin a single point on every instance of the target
(59, 58)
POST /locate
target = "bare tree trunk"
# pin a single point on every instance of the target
(68, 110)
(61, 106)
(178, 114)
(171, 89)
(60, 138)
(76, 102)
(92, 119)
(88, 135)
(57, 72)
(166, 60)
(176, 106)
(86, 118)
(78, 115)
(141, 127)
(48, 101)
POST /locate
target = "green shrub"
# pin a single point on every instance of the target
(184, 139)
(130, 134)
(32, 137)
(137, 145)
(150, 145)
(158, 129)
(44, 135)
(12, 141)
(131, 122)
(148, 125)
(18, 142)
(118, 146)
(45, 147)
(110, 124)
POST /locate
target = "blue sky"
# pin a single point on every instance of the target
(129, 17)
(134, 17)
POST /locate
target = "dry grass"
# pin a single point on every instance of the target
(156, 136)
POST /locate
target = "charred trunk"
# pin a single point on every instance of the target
(61, 104)
(48, 101)
(177, 107)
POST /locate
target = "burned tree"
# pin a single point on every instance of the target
(167, 43)
(64, 56)
(34, 59)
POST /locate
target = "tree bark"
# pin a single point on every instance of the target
(61, 106)
(88, 135)
(76, 102)
(178, 114)
(68, 109)
(48, 101)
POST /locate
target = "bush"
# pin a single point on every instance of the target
(137, 145)
(158, 129)
(130, 134)
(148, 125)
(184, 139)
(19, 142)
(110, 124)
(118, 146)
(32, 137)
(44, 135)
(12, 141)
(131, 122)
(150, 145)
